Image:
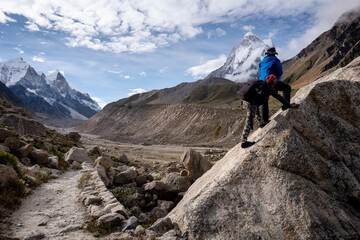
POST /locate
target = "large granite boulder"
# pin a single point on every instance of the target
(39, 156)
(299, 181)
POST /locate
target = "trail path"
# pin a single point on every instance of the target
(52, 210)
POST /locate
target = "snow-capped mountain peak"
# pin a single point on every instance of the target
(243, 61)
(51, 94)
(13, 70)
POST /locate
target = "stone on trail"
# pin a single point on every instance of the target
(77, 154)
(131, 223)
(39, 156)
(111, 218)
(104, 162)
(301, 180)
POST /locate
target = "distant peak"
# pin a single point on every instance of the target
(248, 34)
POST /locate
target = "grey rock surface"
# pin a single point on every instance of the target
(299, 181)
(39, 156)
(176, 183)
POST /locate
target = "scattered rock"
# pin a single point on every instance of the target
(95, 151)
(22, 125)
(39, 156)
(167, 205)
(105, 162)
(13, 143)
(77, 154)
(4, 148)
(195, 163)
(103, 175)
(74, 136)
(92, 200)
(155, 186)
(141, 180)
(26, 161)
(124, 159)
(36, 236)
(139, 230)
(172, 169)
(157, 212)
(125, 177)
(162, 225)
(7, 174)
(176, 183)
(111, 218)
(53, 162)
(131, 223)
(25, 150)
(75, 165)
(4, 134)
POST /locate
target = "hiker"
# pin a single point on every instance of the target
(256, 92)
(272, 65)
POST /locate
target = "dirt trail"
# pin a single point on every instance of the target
(52, 210)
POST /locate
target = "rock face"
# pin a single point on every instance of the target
(77, 154)
(299, 181)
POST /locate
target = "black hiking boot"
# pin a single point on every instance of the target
(263, 124)
(247, 144)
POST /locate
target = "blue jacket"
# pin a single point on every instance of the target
(270, 65)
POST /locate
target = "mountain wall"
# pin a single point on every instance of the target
(190, 113)
(333, 49)
(299, 181)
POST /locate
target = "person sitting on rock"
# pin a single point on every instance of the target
(272, 65)
(255, 92)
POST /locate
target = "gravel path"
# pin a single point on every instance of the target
(52, 211)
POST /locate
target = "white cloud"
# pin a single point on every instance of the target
(142, 25)
(37, 59)
(248, 28)
(32, 26)
(127, 77)
(163, 70)
(218, 32)
(326, 15)
(207, 67)
(136, 91)
(115, 72)
(143, 74)
(99, 101)
(19, 50)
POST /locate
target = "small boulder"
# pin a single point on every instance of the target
(7, 174)
(25, 150)
(141, 179)
(157, 212)
(92, 200)
(155, 186)
(131, 223)
(162, 225)
(105, 162)
(13, 143)
(74, 136)
(75, 165)
(4, 148)
(77, 154)
(124, 159)
(53, 162)
(139, 230)
(39, 156)
(4, 134)
(102, 174)
(176, 183)
(110, 218)
(195, 163)
(26, 161)
(125, 177)
(167, 205)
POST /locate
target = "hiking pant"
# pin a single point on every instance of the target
(252, 109)
(279, 86)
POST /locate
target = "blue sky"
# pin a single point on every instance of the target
(112, 48)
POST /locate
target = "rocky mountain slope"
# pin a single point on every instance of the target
(243, 62)
(10, 96)
(49, 97)
(299, 181)
(190, 113)
(331, 50)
